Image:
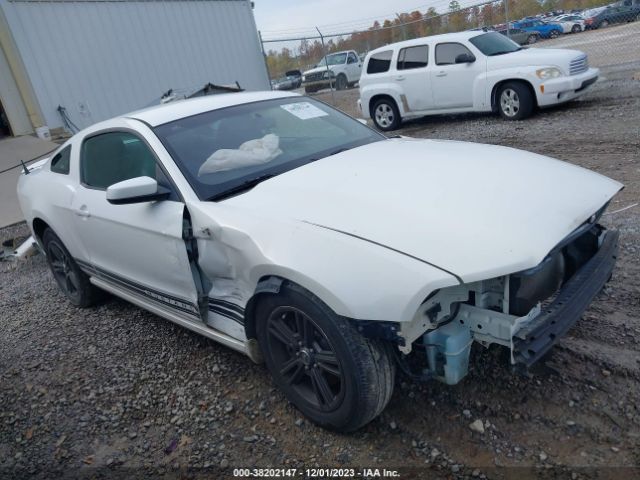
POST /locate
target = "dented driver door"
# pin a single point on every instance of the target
(137, 248)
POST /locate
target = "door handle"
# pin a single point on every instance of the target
(82, 212)
(441, 74)
(399, 78)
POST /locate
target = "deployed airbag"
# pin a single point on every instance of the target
(252, 152)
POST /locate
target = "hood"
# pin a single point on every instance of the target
(478, 211)
(532, 57)
(322, 68)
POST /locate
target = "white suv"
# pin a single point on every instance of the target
(473, 71)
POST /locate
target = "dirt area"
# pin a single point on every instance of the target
(116, 391)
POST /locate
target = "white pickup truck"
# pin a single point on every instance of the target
(473, 71)
(339, 70)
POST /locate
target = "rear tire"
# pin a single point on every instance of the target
(325, 367)
(604, 24)
(385, 115)
(515, 101)
(73, 282)
(554, 34)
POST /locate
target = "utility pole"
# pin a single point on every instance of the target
(326, 63)
(506, 15)
(402, 25)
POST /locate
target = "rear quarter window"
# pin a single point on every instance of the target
(380, 62)
(60, 162)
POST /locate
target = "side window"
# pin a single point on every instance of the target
(112, 157)
(60, 163)
(446, 53)
(413, 57)
(352, 58)
(379, 62)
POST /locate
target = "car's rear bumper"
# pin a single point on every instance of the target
(534, 341)
(563, 89)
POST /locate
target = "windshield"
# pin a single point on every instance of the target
(220, 150)
(335, 59)
(493, 43)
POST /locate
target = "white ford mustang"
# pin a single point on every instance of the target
(284, 229)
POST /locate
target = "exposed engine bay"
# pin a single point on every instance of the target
(526, 311)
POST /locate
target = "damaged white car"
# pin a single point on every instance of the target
(288, 231)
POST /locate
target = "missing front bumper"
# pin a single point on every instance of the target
(537, 337)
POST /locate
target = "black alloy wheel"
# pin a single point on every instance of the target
(73, 282)
(334, 375)
(305, 358)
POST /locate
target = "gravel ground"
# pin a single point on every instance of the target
(116, 391)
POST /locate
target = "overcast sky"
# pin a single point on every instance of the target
(281, 18)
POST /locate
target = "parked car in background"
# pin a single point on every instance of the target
(546, 30)
(280, 227)
(284, 83)
(339, 70)
(589, 15)
(522, 37)
(296, 76)
(570, 23)
(471, 71)
(626, 11)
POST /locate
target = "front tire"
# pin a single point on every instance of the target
(330, 372)
(341, 82)
(73, 282)
(385, 115)
(532, 39)
(576, 29)
(554, 34)
(515, 101)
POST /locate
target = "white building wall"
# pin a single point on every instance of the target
(101, 58)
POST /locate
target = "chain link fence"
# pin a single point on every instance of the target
(607, 32)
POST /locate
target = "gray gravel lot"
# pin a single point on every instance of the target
(115, 390)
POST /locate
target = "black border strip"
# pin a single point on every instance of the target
(226, 313)
(227, 305)
(139, 289)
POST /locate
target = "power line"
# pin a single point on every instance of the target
(369, 30)
(363, 21)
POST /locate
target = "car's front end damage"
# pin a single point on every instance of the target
(526, 312)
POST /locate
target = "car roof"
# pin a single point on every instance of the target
(161, 114)
(433, 38)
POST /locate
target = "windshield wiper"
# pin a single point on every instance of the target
(244, 186)
(503, 52)
(335, 152)
(339, 150)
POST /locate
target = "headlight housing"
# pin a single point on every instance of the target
(547, 73)
(304, 77)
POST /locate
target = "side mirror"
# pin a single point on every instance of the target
(136, 190)
(465, 58)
